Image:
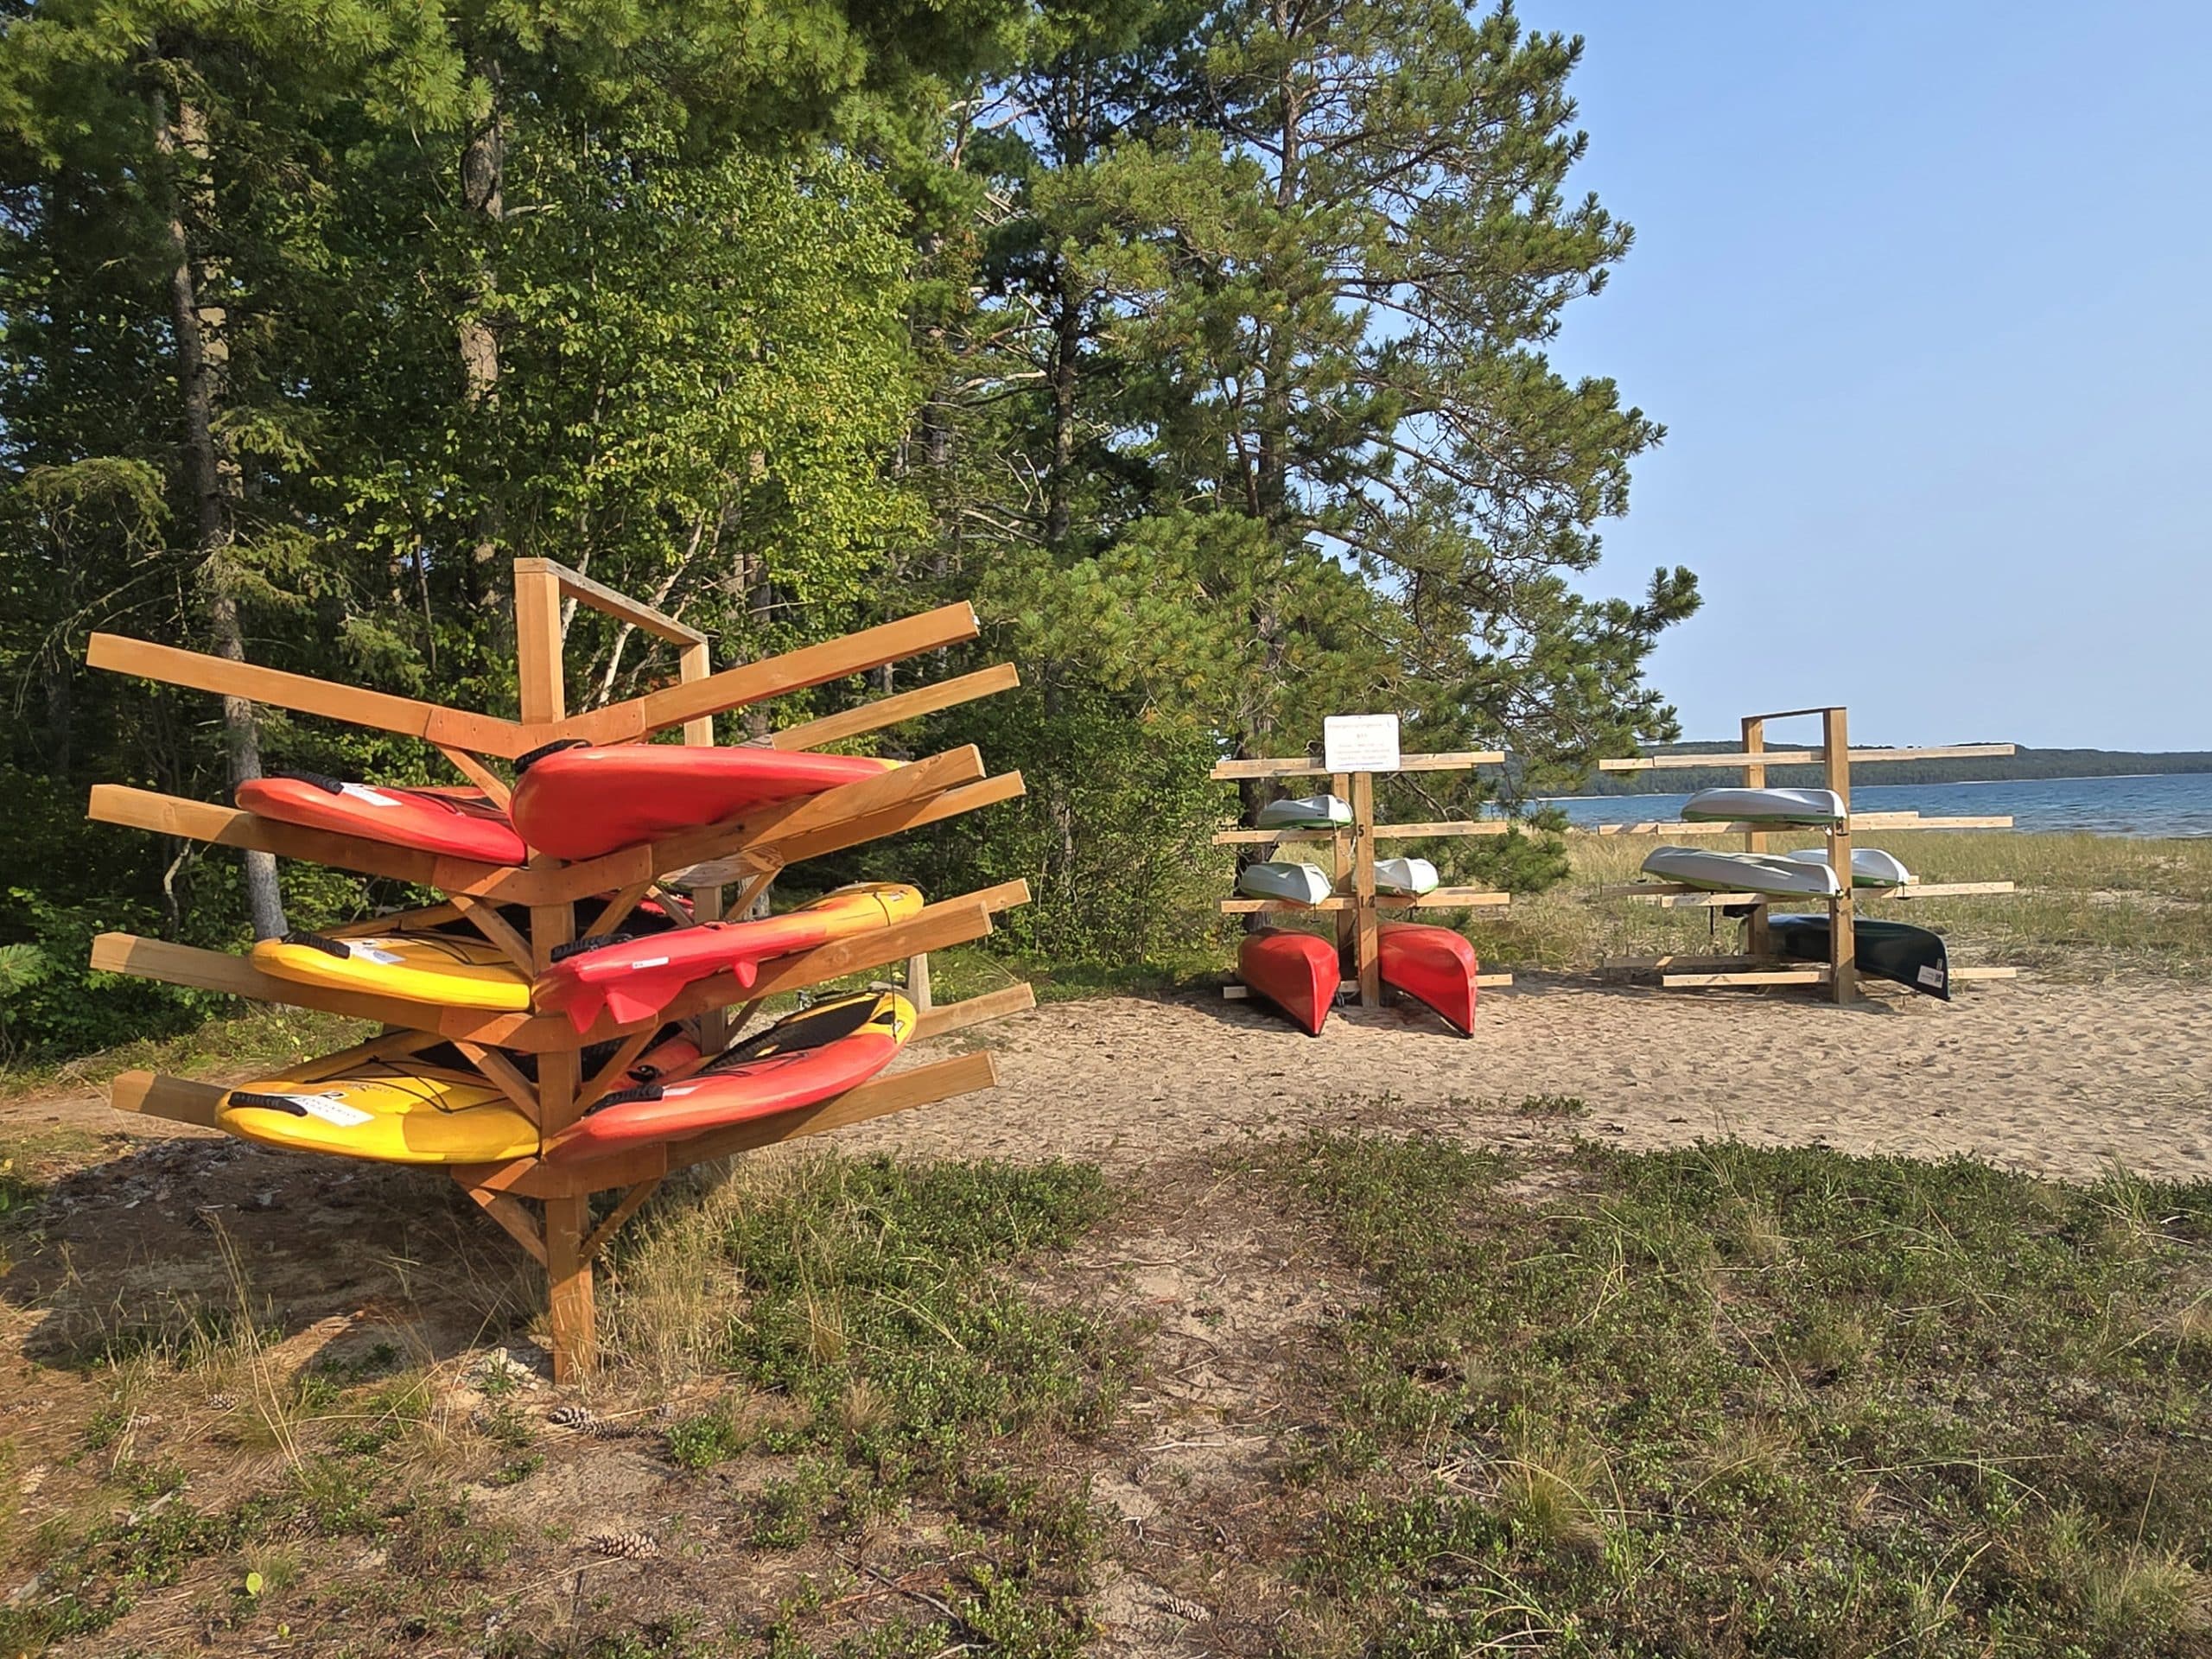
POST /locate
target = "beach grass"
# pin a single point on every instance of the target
(2087, 907)
(1728, 1401)
(1324, 1396)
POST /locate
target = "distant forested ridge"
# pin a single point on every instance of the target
(2024, 763)
(1202, 346)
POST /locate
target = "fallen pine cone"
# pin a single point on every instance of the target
(626, 1545)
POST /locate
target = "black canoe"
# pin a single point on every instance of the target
(1897, 950)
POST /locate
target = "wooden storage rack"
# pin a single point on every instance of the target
(1351, 850)
(1756, 965)
(747, 852)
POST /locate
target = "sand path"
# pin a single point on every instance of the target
(2054, 1079)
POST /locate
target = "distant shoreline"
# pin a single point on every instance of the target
(1954, 783)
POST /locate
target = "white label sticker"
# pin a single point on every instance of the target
(1933, 976)
(330, 1110)
(370, 951)
(369, 796)
(1360, 742)
(650, 962)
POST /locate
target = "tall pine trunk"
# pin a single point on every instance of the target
(202, 358)
(483, 182)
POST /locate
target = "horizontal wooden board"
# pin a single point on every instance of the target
(1307, 767)
(1439, 831)
(1753, 979)
(853, 832)
(1741, 757)
(378, 710)
(946, 1018)
(1351, 988)
(1442, 899)
(177, 1099)
(893, 710)
(1676, 828)
(574, 584)
(750, 682)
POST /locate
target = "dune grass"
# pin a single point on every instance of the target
(1710, 1403)
(2088, 907)
(1725, 1402)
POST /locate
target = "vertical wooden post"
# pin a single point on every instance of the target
(543, 688)
(1363, 874)
(1340, 868)
(918, 982)
(1843, 942)
(1757, 939)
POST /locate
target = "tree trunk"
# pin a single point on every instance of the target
(201, 359)
(483, 179)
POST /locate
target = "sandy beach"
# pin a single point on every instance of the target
(2058, 1080)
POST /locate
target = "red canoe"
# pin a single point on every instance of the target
(797, 1062)
(458, 823)
(1433, 965)
(581, 802)
(635, 978)
(1295, 971)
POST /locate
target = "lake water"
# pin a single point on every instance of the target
(2163, 803)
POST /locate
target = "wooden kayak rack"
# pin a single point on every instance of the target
(1351, 860)
(747, 854)
(1756, 965)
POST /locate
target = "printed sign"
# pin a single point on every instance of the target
(1360, 742)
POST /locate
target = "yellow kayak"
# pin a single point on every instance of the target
(386, 1113)
(450, 970)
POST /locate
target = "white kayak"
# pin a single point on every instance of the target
(1816, 806)
(1410, 876)
(1306, 812)
(1760, 872)
(1870, 867)
(1297, 884)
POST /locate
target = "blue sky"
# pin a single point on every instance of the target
(1923, 295)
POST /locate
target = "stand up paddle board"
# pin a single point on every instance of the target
(797, 1062)
(580, 802)
(635, 978)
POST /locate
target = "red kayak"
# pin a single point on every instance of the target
(1433, 965)
(634, 978)
(459, 822)
(1295, 971)
(797, 1062)
(575, 801)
